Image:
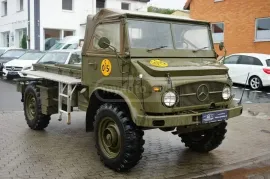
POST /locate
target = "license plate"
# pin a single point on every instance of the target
(214, 116)
(12, 73)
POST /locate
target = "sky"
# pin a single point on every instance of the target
(172, 4)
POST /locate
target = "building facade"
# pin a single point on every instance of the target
(243, 25)
(41, 20)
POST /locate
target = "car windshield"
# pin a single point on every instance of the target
(2, 51)
(31, 56)
(57, 46)
(54, 57)
(268, 62)
(150, 35)
(13, 53)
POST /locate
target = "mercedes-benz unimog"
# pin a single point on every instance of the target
(140, 71)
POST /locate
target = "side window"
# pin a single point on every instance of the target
(268, 62)
(231, 60)
(257, 62)
(110, 31)
(246, 60)
(75, 58)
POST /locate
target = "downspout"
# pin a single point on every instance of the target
(28, 6)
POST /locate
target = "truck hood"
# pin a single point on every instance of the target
(183, 67)
(21, 63)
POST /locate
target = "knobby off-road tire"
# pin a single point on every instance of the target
(119, 141)
(206, 140)
(32, 109)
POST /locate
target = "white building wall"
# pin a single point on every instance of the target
(13, 21)
(134, 5)
(53, 17)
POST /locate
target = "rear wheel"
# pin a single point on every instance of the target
(205, 140)
(32, 109)
(255, 83)
(118, 140)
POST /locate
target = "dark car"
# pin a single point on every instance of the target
(10, 55)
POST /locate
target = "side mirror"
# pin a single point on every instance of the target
(221, 46)
(104, 42)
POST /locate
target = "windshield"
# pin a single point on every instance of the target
(13, 53)
(148, 35)
(57, 46)
(31, 56)
(54, 57)
(2, 51)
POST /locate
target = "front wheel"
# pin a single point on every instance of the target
(119, 141)
(32, 109)
(205, 140)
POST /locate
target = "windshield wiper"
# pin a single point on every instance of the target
(199, 49)
(49, 62)
(160, 47)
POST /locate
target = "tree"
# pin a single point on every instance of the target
(160, 10)
(24, 42)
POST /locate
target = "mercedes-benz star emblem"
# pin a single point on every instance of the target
(202, 92)
(13, 68)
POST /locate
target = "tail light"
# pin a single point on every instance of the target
(267, 70)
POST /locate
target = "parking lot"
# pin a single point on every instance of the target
(63, 151)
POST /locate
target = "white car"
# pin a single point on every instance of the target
(13, 68)
(4, 49)
(252, 66)
(62, 57)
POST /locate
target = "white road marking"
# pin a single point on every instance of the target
(268, 93)
(234, 87)
(257, 91)
(236, 99)
(247, 89)
(248, 102)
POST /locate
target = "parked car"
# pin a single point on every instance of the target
(254, 64)
(10, 55)
(5, 49)
(69, 42)
(49, 42)
(62, 57)
(13, 68)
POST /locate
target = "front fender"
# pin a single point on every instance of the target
(134, 104)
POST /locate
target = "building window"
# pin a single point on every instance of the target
(4, 8)
(68, 33)
(100, 5)
(262, 29)
(67, 5)
(20, 5)
(125, 6)
(5, 39)
(218, 32)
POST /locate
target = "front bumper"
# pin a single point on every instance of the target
(180, 120)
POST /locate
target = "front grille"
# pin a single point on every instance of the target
(188, 94)
(10, 68)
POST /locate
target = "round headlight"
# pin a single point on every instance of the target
(226, 93)
(169, 99)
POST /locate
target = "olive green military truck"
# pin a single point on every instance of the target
(139, 71)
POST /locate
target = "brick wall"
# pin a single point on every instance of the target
(239, 22)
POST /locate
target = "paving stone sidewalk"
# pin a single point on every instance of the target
(63, 151)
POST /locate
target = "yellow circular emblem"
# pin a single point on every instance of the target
(158, 63)
(106, 67)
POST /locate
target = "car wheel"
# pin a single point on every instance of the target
(255, 83)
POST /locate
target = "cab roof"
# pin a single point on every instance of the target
(107, 15)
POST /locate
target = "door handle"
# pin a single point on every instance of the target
(93, 64)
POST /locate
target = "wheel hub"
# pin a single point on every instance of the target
(31, 107)
(109, 137)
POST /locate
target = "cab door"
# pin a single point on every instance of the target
(101, 66)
